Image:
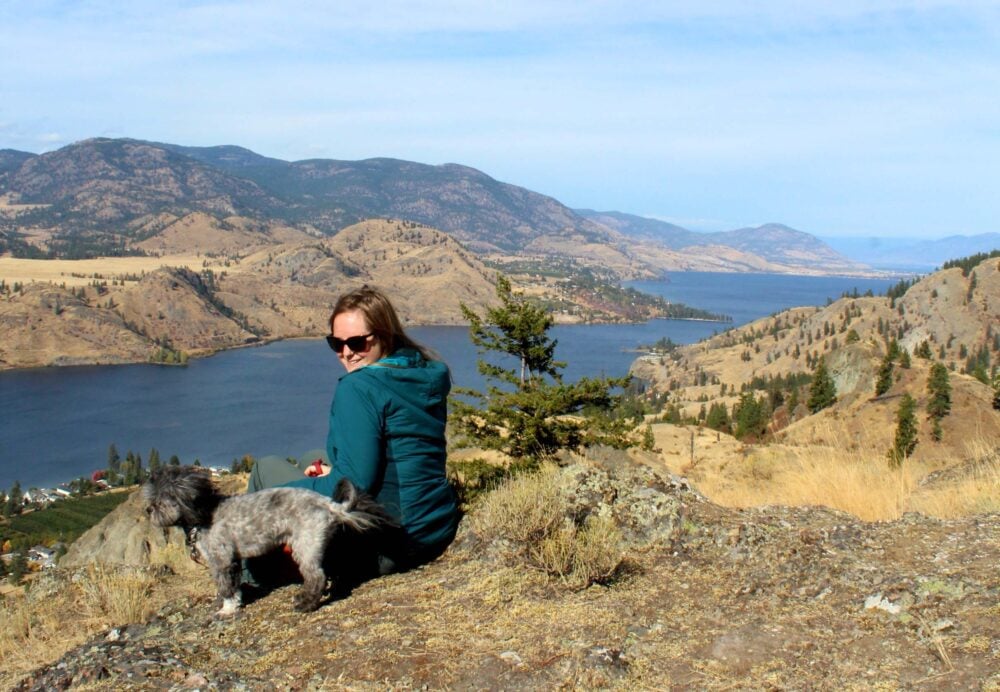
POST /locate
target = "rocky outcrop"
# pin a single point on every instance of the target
(803, 598)
(125, 538)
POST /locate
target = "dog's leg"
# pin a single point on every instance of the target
(228, 583)
(308, 555)
(226, 572)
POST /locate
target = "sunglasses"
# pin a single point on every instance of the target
(357, 344)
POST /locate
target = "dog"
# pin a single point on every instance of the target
(222, 530)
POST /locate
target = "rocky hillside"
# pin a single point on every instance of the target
(113, 196)
(952, 316)
(285, 290)
(706, 598)
(201, 303)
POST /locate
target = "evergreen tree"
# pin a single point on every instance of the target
(924, 350)
(884, 381)
(939, 401)
(904, 360)
(750, 416)
(823, 390)
(793, 401)
(996, 392)
(175, 460)
(15, 500)
(18, 568)
(906, 431)
(154, 459)
(527, 411)
(648, 443)
(718, 417)
(114, 460)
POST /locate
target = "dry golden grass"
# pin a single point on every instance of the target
(974, 493)
(854, 478)
(860, 483)
(115, 595)
(59, 271)
(59, 611)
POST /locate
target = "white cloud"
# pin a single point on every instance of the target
(840, 112)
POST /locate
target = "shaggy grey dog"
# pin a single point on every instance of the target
(222, 529)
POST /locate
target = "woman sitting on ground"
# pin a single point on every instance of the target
(387, 431)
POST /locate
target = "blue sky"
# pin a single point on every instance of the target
(842, 118)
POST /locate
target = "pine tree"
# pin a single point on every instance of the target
(750, 416)
(15, 500)
(823, 390)
(718, 417)
(884, 381)
(114, 460)
(906, 431)
(18, 568)
(939, 401)
(527, 411)
(154, 459)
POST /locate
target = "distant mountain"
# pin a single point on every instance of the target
(908, 254)
(11, 159)
(672, 236)
(772, 242)
(778, 243)
(115, 196)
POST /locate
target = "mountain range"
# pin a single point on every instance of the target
(106, 196)
(903, 254)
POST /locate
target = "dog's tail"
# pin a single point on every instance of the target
(359, 510)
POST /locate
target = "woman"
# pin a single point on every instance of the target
(387, 430)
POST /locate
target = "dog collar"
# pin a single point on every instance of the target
(191, 541)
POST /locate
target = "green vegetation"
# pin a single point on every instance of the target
(884, 381)
(905, 440)
(527, 412)
(169, 356)
(662, 345)
(899, 289)
(823, 390)
(967, 264)
(750, 416)
(63, 521)
(939, 400)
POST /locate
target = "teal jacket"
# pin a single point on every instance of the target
(387, 424)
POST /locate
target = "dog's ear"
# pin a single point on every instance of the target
(345, 493)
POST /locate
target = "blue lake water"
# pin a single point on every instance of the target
(57, 423)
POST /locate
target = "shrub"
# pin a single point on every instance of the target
(525, 509)
(531, 513)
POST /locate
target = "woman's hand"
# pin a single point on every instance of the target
(317, 468)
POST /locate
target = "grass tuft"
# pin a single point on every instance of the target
(116, 595)
(531, 513)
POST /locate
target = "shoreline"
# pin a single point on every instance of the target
(264, 341)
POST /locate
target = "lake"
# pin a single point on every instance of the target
(58, 423)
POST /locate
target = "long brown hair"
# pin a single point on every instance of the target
(381, 318)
